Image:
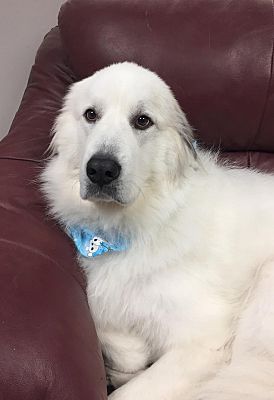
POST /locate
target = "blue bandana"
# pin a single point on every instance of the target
(90, 245)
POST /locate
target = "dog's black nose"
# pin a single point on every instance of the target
(103, 171)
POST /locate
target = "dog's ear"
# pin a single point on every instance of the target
(191, 145)
(52, 149)
(186, 133)
(56, 131)
(64, 130)
(185, 130)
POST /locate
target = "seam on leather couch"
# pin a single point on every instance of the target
(20, 159)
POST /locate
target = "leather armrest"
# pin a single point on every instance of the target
(49, 347)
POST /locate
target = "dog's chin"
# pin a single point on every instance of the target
(104, 196)
(106, 200)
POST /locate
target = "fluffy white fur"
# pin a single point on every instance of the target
(192, 298)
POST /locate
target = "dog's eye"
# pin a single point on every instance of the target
(90, 115)
(142, 122)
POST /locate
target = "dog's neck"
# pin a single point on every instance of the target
(144, 219)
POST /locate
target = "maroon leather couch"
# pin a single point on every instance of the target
(217, 55)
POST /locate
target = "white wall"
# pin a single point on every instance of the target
(23, 23)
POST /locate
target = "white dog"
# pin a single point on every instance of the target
(184, 308)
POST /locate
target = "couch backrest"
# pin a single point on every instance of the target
(215, 54)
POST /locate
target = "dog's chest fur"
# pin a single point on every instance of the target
(157, 294)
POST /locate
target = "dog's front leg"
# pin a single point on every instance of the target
(174, 375)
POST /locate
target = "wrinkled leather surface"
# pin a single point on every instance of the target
(217, 55)
(48, 344)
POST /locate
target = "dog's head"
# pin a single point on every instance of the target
(121, 132)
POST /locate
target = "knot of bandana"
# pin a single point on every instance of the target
(89, 244)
